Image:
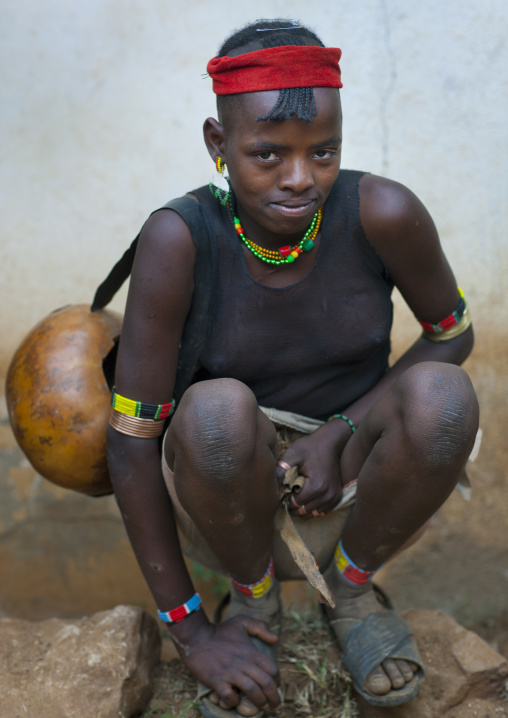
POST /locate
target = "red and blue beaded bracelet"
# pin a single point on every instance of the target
(182, 612)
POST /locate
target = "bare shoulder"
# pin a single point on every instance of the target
(160, 294)
(166, 234)
(164, 262)
(391, 213)
(162, 274)
(404, 235)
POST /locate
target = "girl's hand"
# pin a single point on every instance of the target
(317, 457)
(224, 658)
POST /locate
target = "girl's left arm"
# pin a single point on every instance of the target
(403, 234)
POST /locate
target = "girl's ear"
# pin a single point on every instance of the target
(213, 134)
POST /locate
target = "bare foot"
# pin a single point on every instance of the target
(359, 602)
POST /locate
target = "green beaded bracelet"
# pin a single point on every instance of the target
(344, 418)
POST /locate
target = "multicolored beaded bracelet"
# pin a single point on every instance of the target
(140, 409)
(349, 569)
(258, 589)
(180, 614)
(138, 419)
(344, 418)
(452, 326)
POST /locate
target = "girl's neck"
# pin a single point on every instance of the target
(262, 236)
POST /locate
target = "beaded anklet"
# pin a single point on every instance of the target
(349, 570)
(180, 614)
(259, 588)
(137, 418)
(344, 418)
(453, 326)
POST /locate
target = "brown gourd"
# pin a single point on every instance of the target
(58, 396)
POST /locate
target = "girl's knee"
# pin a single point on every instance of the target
(439, 412)
(215, 429)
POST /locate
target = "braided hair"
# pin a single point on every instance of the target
(297, 101)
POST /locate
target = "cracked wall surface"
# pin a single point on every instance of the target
(101, 108)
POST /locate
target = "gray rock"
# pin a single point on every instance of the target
(96, 667)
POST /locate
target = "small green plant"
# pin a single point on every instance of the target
(319, 679)
(219, 583)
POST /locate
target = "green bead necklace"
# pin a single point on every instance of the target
(283, 255)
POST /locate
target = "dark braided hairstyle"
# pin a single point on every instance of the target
(297, 101)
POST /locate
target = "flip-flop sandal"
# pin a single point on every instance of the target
(229, 607)
(365, 644)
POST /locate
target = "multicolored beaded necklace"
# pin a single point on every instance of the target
(283, 255)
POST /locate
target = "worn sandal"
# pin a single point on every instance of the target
(367, 643)
(267, 609)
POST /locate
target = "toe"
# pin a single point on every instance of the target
(392, 671)
(377, 682)
(407, 669)
(246, 707)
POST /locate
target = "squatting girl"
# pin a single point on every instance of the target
(260, 318)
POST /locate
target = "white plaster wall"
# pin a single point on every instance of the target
(101, 107)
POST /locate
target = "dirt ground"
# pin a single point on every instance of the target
(313, 684)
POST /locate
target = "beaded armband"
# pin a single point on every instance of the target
(451, 327)
(180, 614)
(136, 418)
(349, 569)
(258, 589)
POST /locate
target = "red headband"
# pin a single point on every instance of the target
(276, 68)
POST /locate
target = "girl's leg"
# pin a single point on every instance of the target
(407, 455)
(222, 450)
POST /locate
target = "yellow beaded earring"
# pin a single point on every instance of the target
(220, 166)
(219, 186)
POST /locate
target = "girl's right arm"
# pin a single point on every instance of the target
(159, 299)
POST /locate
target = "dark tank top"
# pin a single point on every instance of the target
(313, 347)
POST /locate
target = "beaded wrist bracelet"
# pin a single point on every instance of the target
(344, 418)
(180, 614)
